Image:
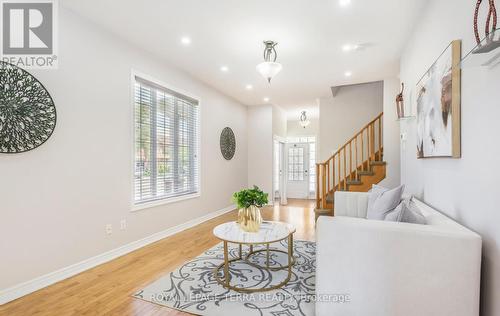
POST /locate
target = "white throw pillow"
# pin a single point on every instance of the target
(382, 201)
(375, 192)
(407, 212)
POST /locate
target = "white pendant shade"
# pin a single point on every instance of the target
(305, 123)
(303, 120)
(269, 69)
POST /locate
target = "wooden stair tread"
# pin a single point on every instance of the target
(365, 173)
(322, 212)
(377, 163)
(368, 178)
(353, 182)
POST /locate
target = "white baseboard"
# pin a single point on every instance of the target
(38, 283)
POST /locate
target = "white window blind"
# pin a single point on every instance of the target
(166, 143)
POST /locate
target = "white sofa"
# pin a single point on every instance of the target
(378, 268)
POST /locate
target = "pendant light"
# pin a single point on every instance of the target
(269, 68)
(303, 120)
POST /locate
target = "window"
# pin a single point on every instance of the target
(166, 143)
(302, 139)
(296, 164)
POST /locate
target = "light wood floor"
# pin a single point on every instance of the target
(107, 289)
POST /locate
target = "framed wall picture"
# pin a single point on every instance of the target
(438, 106)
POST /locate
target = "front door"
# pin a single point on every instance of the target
(298, 170)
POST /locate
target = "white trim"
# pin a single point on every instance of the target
(135, 207)
(142, 206)
(279, 138)
(282, 182)
(161, 83)
(19, 290)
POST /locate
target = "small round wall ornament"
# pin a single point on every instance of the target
(27, 111)
(227, 143)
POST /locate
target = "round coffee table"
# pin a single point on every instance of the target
(269, 232)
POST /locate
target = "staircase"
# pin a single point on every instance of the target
(354, 167)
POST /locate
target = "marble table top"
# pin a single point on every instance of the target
(268, 232)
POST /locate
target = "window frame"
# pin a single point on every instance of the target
(145, 205)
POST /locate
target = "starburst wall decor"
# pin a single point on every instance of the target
(27, 111)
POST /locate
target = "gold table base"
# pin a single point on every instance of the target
(226, 281)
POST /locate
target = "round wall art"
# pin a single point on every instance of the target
(227, 143)
(27, 111)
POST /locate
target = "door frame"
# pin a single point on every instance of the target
(283, 163)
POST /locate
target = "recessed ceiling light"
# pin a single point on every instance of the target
(249, 87)
(185, 40)
(347, 73)
(349, 47)
(224, 69)
(266, 99)
(344, 3)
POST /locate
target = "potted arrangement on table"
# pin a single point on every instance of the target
(248, 202)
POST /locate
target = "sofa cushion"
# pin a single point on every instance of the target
(352, 204)
(382, 201)
(407, 212)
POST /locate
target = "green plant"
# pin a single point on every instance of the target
(248, 197)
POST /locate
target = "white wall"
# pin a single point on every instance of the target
(465, 189)
(57, 199)
(260, 147)
(346, 113)
(390, 134)
(279, 122)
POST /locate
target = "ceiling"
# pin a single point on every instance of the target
(310, 33)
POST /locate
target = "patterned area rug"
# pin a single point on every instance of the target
(192, 287)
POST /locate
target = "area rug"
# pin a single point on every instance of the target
(192, 287)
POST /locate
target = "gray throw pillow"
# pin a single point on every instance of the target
(407, 212)
(383, 201)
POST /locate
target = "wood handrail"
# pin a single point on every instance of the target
(334, 173)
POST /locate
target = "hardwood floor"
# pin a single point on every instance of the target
(107, 289)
